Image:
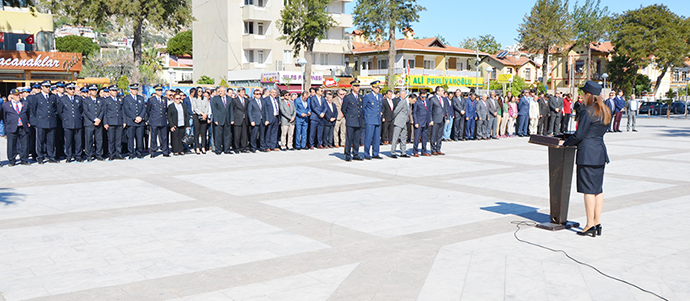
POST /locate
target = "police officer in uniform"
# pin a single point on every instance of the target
(43, 116)
(135, 117)
(59, 132)
(372, 104)
(354, 121)
(157, 112)
(70, 112)
(35, 89)
(93, 124)
(114, 123)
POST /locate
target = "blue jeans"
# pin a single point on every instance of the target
(447, 129)
(301, 125)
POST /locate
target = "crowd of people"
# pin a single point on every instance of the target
(50, 122)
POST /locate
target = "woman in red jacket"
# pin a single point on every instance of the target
(567, 105)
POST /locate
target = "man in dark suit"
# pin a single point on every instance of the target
(134, 108)
(318, 111)
(459, 106)
(438, 120)
(387, 117)
(15, 115)
(254, 110)
(372, 104)
(114, 123)
(421, 113)
(354, 121)
(157, 112)
(611, 103)
(222, 110)
(329, 121)
(43, 116)
(70, 112)
(543, 125)
(271, 116)
(470, 116)
(240, 121)
(93, 125)
(556, 111)
(619, 102)
(523, 114)
(303, 112)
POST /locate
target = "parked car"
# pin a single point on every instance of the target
(663, 109)
(678, 107)
(650, 107)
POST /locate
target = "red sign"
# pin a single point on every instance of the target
(40, 61)
(30, 39)
(2, 37)
(330, 82)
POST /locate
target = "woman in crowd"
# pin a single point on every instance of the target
(591, 155)
(512, 115)
(503, 106)
(577, 107)
(178, 121)
(200, 113)
(567, 105)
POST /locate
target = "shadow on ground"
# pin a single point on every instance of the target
(527, 212)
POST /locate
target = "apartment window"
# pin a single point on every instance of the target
(356, 65)
(248, 27)
(579, 66)
(528, 74)
(320, 58)
(250, 55)
(248, 2)
(260, 56)
(383, 64)
(409, 63)
(493, 74)
(459, 66)
(260, 29)
(260, 3)
(510, 70)
(428, 64)
(287, 56)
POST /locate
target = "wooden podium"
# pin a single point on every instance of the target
(561, 160)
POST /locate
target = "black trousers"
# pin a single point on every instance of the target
(17, 142)
(257, 137)
(135, 132)
(565, 121)
(59, 140)
(200, 128)
(222, 138)
(159, 134)
(32, 142)
(176, 140)
(436, 137)
(241, 133)
(352, 141)
(387, 131)
(45, 146)
(420, 134)
(542, 125)
(459, 127)
(271, 135)
(73, 143)
(114, 141)
(328, 134)
(555, 123)
(93, 135)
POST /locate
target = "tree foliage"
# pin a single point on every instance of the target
(158, 14)
(372, 16)
(487, 43)
(302, 23)
(181, 43)
(518, 85)
(110, 64)
(151, 66)
(205, 80)
(469, 43)
(652, 35)
(591, 24)
(77, 44)
(123, 84)
(548, 24)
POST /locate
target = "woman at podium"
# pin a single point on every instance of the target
(591, 155)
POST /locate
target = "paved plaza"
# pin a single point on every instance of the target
(306, 225)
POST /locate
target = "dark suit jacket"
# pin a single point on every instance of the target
(332, 113)
(223, 114)
(11, 117)
(43, 111)
(421, 113)
(133, 108)
(387, 111)
(543, 107)
(113, 111)
(157, 111)
(556, 103)
(459, 106)
(172, 116)
(92, 108)
(254, 111)
(70, 112)
(589, 139)
(438, 112)
(267, 110)
(240, 110)
(470, 108)
(523, 107)
(353, 111)
(316, 108)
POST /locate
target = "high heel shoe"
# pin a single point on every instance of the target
(592, 231)
(598, 227)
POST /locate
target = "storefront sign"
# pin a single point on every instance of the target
(290, 77)
(432, 81)
(40, 61)
(330, 82)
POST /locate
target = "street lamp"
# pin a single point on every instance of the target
(302, 62)
(488, 78)
(605, 76)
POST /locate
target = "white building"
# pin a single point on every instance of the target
(69, 30)
(238, 39)
(176, 68)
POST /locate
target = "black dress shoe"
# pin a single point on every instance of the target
(404, 156)
(53, 161)
(100, 158)
(357, 158)
(166, 155)
(40, 161)
(376, 157)
(592, 231)
(348, 159)
(80, 160)
(392, 156)
(26, 163)
(367, 158)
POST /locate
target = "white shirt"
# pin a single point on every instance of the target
(180, 114)
(634, 104)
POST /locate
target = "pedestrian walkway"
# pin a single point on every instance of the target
(306, 225)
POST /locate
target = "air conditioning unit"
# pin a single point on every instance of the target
(279, 66)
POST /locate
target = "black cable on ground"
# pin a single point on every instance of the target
(533, 224)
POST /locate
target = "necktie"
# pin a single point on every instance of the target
(424, 102)
(225, 105)
(288, 104)
(71, 99)
(258, 102)
(16, 108)
(275, 107)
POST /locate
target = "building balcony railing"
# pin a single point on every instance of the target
(427, 72)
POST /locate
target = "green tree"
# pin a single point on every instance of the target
(151, 66)
(205, 80)
(469, 43)
(123, 84)
(519, 84)
(77, 44)
(373, 15)
(302, 23)
(622, 73)
(158, 14)
(652, 35)
(548, 24)
(181, 43)
(487, 43)
(591, 24)
(110, 64)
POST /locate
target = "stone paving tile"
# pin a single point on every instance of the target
(421, 167)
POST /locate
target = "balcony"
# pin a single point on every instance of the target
(253, 12)
(343, 20)
(253, 41)
(426, 72)
(331, 46)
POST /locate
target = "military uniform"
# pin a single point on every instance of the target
(372, 104)
(354, 121)
(43, 116)
(135, 107)
(114, 119)
(157, 112)
(93, 110)
(70, 112)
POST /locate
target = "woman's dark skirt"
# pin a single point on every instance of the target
(590, 179)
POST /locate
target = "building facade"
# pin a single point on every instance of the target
(238, 40)
(513, 63)
(567, 65)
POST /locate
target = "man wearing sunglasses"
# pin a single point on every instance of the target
(254, 110)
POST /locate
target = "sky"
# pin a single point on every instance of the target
(457, 19)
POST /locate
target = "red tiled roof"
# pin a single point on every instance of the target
(687, 62)
(605, 47)
(510, 60)
(428, 44)
(174, 63)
